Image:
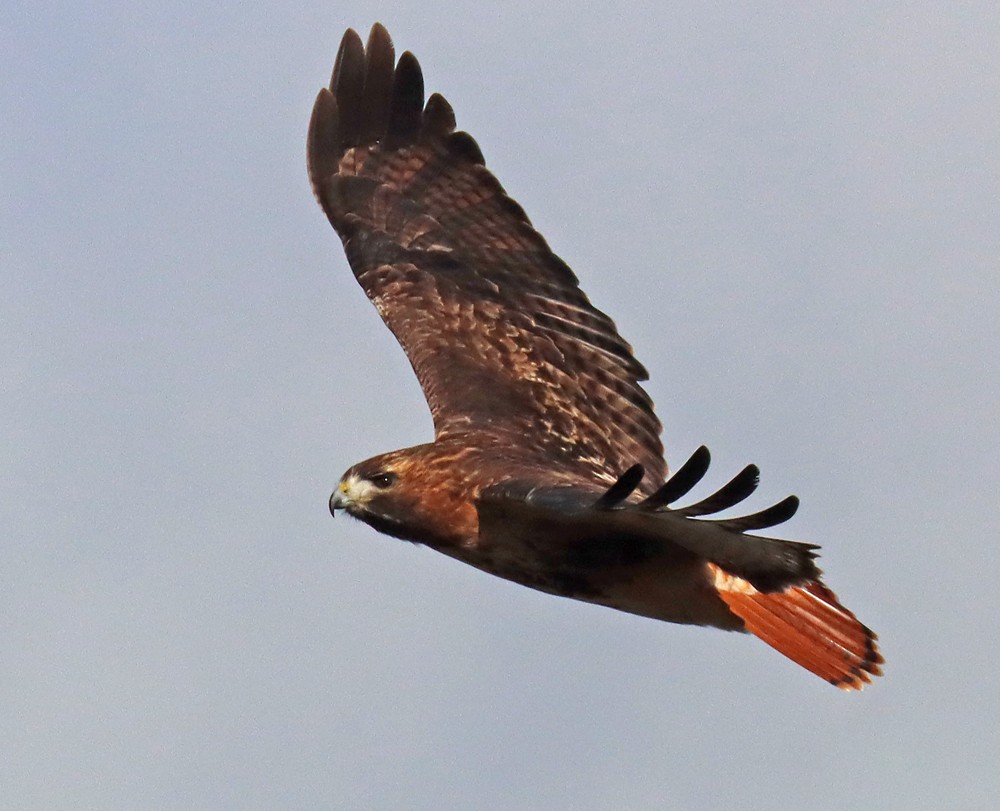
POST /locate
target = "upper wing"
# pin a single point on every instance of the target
(501, 337)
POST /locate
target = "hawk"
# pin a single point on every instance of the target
(546, 467)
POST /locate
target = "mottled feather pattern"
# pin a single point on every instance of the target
(547, 467)
(403, 189)
(468, 340)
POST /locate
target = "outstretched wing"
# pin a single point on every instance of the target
(501, 337)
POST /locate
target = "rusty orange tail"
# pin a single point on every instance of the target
(809, 626)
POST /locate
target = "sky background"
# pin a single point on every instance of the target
(792, 213)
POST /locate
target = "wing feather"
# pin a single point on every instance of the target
(501, 337)
(614, 520)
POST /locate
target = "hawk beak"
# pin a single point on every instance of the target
(337, 502)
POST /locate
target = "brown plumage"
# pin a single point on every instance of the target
(547, 467)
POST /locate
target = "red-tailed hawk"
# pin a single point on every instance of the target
(546, 466)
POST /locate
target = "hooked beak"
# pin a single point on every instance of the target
(337, 502)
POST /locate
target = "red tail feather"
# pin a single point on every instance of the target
(809, 626)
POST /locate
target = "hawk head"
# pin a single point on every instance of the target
(370, 489)
(403, 494)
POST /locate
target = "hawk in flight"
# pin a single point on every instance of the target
(546, 466)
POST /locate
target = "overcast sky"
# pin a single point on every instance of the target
(792, 214)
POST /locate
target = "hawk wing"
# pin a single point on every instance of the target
(610, 528)
(502, 339)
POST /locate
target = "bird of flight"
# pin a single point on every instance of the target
(546, 466)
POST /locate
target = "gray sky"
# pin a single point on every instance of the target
(791, 213)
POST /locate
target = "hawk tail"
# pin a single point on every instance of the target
(808, 625)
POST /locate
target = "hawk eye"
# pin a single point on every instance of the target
(382, 480)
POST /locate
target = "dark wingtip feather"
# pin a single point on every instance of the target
(621, 489)
(380, 100)
(406, 114)
(378, 34)
(439, 117)
(680, 484)
(322, 149)
(351, 51)
(733, 492)
(380, 62)
(463, 145)
(772, 516)
(347, 84)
